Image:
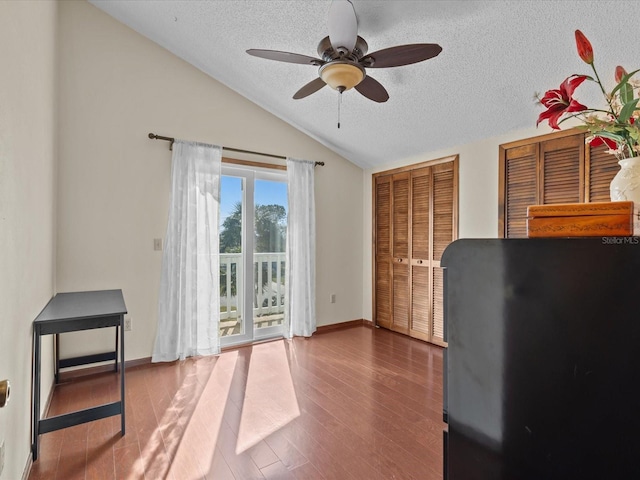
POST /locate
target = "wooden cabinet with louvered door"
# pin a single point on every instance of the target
(421, 228)
(415, 219)
(444, 207)
(562, 170)
(382, 246)
(554, 168)
(600, 167)
(521, 187)
(400, 240)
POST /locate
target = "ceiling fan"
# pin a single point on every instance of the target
(343, 57)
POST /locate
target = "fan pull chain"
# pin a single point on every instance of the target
(339, 103)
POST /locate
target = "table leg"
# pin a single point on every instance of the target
(115, 367)
(122, 373)
(56, 358)
(36, 391)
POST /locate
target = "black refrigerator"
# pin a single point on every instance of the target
(542, 368)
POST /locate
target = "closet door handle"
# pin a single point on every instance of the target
(419, 262)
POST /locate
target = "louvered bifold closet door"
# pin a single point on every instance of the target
(546, 171)
(444, 191)
(521, 188)
(437, 332)
(383, 257)
(562, 170)
(602, 167)
(421, 305)
(415, 220)
(400, 247)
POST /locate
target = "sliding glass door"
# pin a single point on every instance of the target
(253, 222)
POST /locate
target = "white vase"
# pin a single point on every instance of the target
(626, 184)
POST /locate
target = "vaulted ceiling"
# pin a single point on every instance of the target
(496, 56)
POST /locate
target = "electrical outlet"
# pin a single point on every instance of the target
(127, 324)
(1, 457)
(157, 244)
(332, 298)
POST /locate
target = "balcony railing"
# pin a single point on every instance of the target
(268, 284)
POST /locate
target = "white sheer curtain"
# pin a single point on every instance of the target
(300, 296)
(189, 304)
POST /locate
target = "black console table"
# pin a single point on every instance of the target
(542, 368)
(71, 312)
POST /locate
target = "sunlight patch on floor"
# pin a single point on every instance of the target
(195, 413)
(270, 399)
(204, 425)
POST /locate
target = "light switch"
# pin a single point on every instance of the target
(157, 244)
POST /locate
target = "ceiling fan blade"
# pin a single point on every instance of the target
(343, 25)
(401, 55)
(372, 89)
(312, 87)
(285, 57)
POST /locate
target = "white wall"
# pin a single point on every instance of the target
(478, 195)
(27, 208)
(117, 86)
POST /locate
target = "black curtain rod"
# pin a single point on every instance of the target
(153, 136)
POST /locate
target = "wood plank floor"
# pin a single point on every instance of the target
(357, 403)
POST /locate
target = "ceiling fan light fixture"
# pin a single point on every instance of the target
(342, 76)
(344, 60)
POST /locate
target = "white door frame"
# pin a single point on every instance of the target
(249, 176)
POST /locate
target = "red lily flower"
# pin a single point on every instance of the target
(560, 101)
(585, 50)
(620, 72)
(597, 141)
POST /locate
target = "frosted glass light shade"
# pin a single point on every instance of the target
(341, 75)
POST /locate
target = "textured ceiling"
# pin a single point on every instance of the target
(496, 55)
